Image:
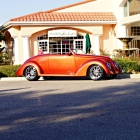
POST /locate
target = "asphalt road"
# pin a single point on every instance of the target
(70, 109)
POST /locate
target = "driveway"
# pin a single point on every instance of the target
(69, 109)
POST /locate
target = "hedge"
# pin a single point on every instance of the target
(128, 66)
(8, 70)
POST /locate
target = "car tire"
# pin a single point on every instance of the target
(95, 72)
(30, 73)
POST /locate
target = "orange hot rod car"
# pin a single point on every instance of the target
(69, 64)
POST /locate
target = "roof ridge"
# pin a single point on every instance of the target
(67, 6)
(26, 15)
(58, 13)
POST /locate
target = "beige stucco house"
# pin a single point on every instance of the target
(58, 29)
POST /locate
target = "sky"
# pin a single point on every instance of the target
(14, 8)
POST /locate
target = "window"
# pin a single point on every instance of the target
(43, 37)
(126, 9)
(135, 31)
(60, 45)
(44, 45)
(79, 44)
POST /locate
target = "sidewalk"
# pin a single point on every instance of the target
(119, 76)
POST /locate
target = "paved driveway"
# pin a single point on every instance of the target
(69, 109)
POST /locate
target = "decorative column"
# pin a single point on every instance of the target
(96, 47)
(16, 50)
(26, 51)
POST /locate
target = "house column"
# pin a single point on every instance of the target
(16, 50)
(96, 47)
(26, 50)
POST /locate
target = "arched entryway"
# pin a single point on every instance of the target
(60, 44)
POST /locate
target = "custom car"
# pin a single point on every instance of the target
(73, 64)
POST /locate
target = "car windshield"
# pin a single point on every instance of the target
(78, 51)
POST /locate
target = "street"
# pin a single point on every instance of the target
(69, 109)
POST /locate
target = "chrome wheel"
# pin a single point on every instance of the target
(31, 73)
(96, 72)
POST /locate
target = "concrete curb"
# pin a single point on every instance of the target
(13, 79)
(16, 79)
(119, 76)
(122, 76)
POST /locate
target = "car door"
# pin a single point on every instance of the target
(62, 64)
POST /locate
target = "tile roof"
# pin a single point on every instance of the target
(53, 15)
(67, 16)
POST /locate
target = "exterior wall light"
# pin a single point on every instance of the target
(112, 31)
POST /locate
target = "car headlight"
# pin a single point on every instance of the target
(108, 65)
(116, 65)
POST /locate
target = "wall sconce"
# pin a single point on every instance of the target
(112, 31)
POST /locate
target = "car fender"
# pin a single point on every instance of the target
(20, 71)
(82, 70)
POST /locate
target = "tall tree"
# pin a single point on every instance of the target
(1, 34)
(2, 37)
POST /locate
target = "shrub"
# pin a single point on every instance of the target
(128, 66)
(8, 70)
(104, 52)
(118, 53)
(5, 58)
